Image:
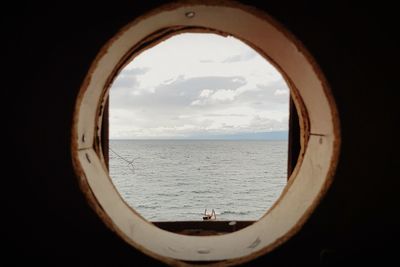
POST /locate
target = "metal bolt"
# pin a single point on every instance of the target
(190, 14)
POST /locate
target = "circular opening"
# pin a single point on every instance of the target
(199, 122)
(315, 106)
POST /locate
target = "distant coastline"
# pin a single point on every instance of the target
(272, 136)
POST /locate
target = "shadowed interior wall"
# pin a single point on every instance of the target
(47, 51)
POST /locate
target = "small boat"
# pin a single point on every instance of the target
(210, 216)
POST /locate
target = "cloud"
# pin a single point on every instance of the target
(128, 77)
(197, 102)
(208, 97)
(134, 71)
(281, 92)
(225, 115)
(224, 95)
(176, 94)
(259, 123)
(235, 58)
(197, 85)
(206, 93)
(241, 57)
(125, 81)
(206, 61)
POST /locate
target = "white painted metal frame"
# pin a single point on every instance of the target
(312, 176)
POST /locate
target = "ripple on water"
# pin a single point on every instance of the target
(179, 179)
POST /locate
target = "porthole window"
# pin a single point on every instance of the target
(199, 122)
(318, 121)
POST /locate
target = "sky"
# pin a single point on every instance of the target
(197, 85)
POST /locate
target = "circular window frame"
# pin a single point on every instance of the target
(319, 125)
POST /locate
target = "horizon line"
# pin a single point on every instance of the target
(198, 139)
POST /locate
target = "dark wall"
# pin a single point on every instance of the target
(46, 53)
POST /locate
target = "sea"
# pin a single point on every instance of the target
(177, 180)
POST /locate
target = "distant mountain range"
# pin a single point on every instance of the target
(277, 135)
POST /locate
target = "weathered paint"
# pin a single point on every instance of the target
(314, 103)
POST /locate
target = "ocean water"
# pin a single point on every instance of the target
(178, 179)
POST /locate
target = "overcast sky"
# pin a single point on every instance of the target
(197, 85)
